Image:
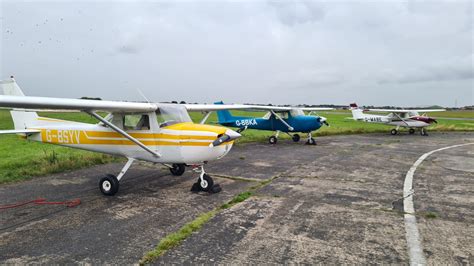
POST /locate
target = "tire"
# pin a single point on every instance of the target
(272, 140)
(296, 138)
(311, 141)
(411, 131)
(109, 185)
(178, 169)
(393, 132)
(206, 184)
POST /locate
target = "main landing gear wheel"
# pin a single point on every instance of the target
(394, 131)
(177, 169)
(272, 140)
(206, 183)
(411, 131)
(311, 141)
(109, 185)
(296, 137)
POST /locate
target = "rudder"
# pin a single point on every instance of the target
(22, 119)
(357, 113)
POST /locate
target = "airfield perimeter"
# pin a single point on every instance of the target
(338, 202)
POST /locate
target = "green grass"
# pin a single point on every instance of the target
(174, 239)
(429, 215)
(237, 199)
(341, 125)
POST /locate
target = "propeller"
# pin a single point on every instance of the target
(223, 138)
(323, 120)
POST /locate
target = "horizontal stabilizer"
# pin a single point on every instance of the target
(21, 131)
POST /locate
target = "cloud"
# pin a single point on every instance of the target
(128, 49)
(454, 69)
(298, 12)
(243, 51)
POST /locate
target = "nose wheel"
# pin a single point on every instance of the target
(423, 132)
(205, 182)
(311, 140)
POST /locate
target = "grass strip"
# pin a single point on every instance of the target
(174, 239)
(238, 178)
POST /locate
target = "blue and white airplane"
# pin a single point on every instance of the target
(289, 120)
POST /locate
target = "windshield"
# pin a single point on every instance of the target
(296, 112)
(172, 114)
(267, 115)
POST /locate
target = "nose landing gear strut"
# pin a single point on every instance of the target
(204, 182)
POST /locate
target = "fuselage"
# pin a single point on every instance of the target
(415, 121)
(187, 143)
(301, 123)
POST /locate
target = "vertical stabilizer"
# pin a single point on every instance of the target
(224, 116)
(357, 114)
(22, 119)
(10, 87)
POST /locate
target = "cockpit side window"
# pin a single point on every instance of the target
(136, 122)
(296, 112)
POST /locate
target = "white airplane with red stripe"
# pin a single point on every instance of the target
(407, 118)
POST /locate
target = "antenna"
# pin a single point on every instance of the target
(143, 95)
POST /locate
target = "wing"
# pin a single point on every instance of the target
(316, 109)
(214, 107)
(407, 111)
(28, 102)
(217, 107)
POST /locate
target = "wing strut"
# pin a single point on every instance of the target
(403, 120)
(123, 133)
(281, 119)
(204, 119)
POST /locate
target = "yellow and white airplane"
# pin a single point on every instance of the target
(154, 132)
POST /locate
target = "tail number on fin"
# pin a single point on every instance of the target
(61, 136)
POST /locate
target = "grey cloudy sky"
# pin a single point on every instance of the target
(408, 53)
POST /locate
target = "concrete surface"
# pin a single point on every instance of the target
(338, 202)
